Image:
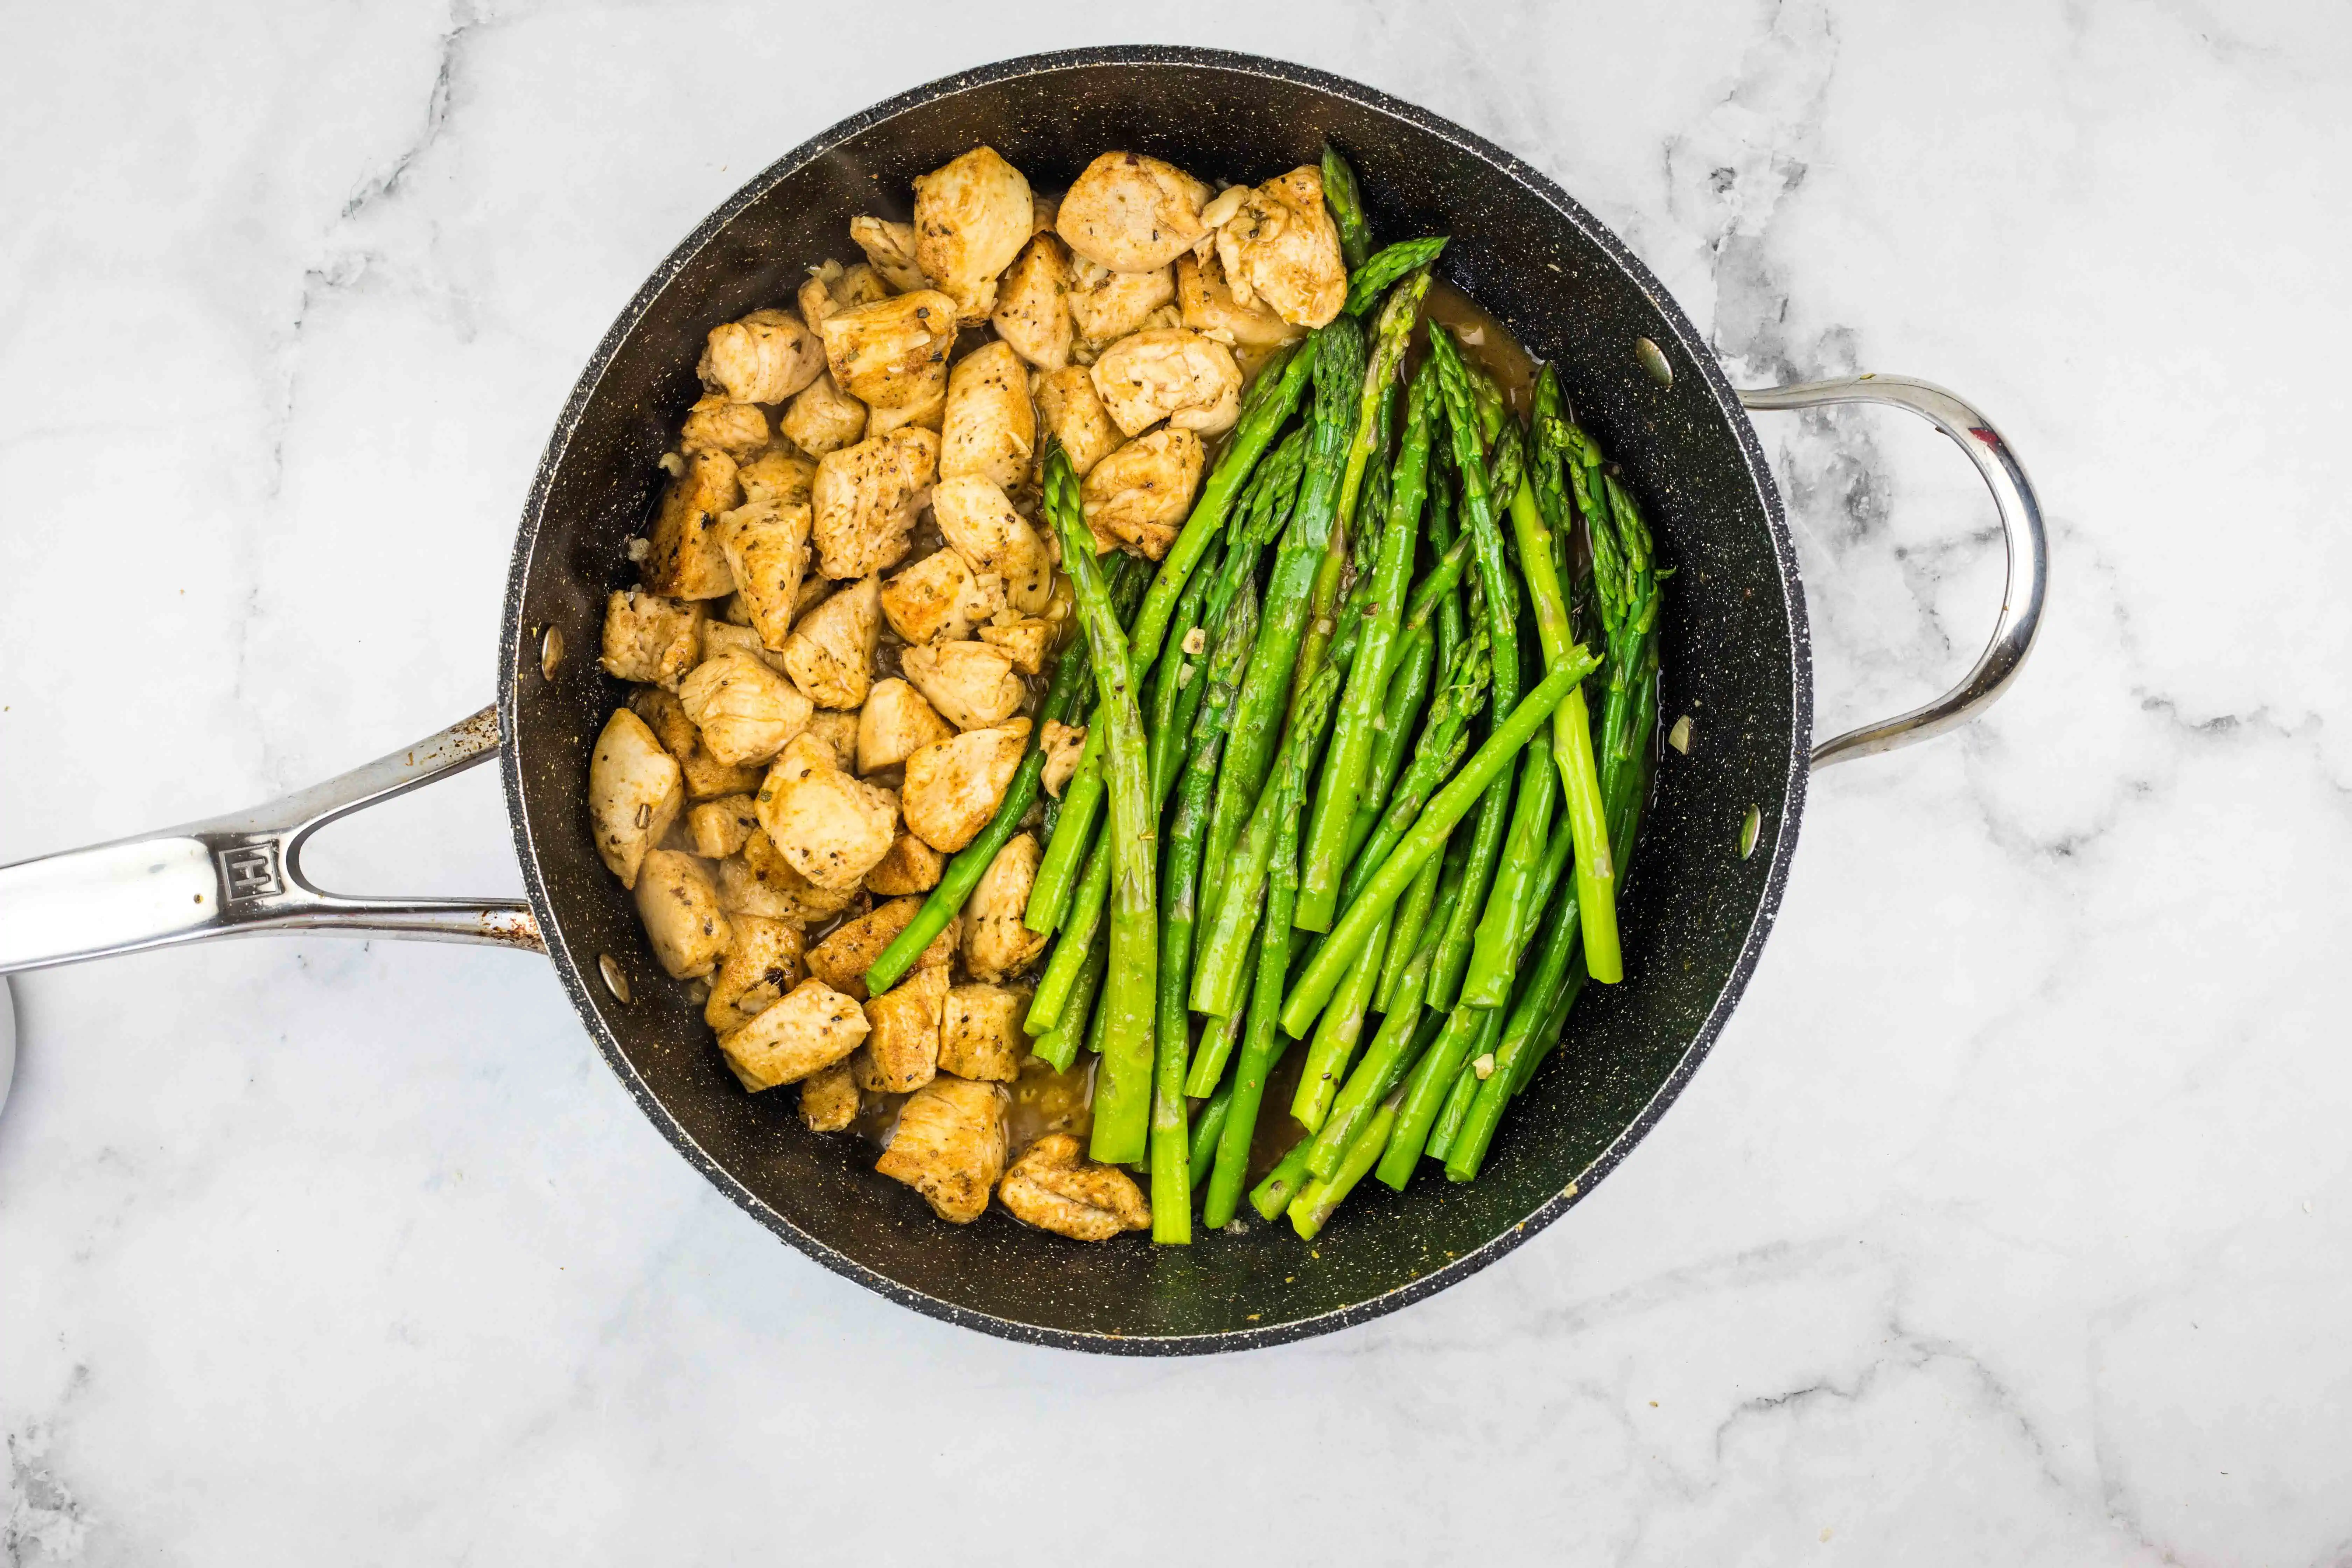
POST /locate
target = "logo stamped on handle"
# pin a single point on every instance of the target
(250, 871)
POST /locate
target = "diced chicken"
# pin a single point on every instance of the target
(829, 1098)
(1062, 745)
(953, 786)
(810, 1029)
(979, 1034)
(1132, 213)
(763, 964)
(1136, 499)
(903, 1050)
(706, 776)
(889, 249)
(767, 548)
(680, 911)
(719, 424)
(979, 521)
(895, 723)
(837, 727)
(758, 881)
(649, 638)
(972, 218)
(635, 793)
(1105, 306)
(1070, 408)
(1170, 374)
(925, 408)
(1052, 1188)
(745, 710)
(911, 867)
(949, 1145)
(717, 829)
(842, 958)
(683, 559)
(1043, 210)
(831, 826)
(833, 287)
(866, 498)
(1281, 247)
(778, 475)
(830, 655)
(971, 684)
(996, 945)
(765, 358)
(1032, 303)
(725, 636)
(941, 599)
(1211, 310)
(887, 354)
(822, 418)
(1025, 639)
(989, 430)
(814, 589)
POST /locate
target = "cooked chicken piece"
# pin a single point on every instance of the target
(683, 559)
(1137, 498)
(725, 636)
(842, 958)
(1170, 374)
(889, 248)
(1211, 310)
(635, 793)
(719, 424)
(941, 599)
(758, 880)
(866, 498)
(972, 218)
(650, 638)
(810, 1029)
(717, 829)
(767, 547)
(895, 725)
(1105, 306)
(765, 358)
(981, 523)
(1281, 247)
(833, 287)
(762, 963)
(706, 776)
(996, 945)
(816, 588)
(829, 1098)
(779, 475)
(830, 825)
(903, 1051)
(925, 409)
(1050, 1187)
(989, 430)
(745, 710)
(1032, 303)
(884, 354)
(1025, 639)
(971, 684)
(1062, 745)
(949, 1146)
(980, 1037)
(953, 786)
(1132, 213)
(830, 655)
(822, 418)
(1069, 407)
(837, 727)
(680, 911)
(911, 867)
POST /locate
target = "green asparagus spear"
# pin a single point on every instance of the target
(1206, 1127)
(1322, 1196)
(1088, 903)
(1383, 1064)
(1416, 662)
(1469, 1033)
(1368, 282)
(1341, 194)
(1057, 1048)
(1520, 888)
(1337, 1032)
(1272, 1194)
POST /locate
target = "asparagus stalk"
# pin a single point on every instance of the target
(1057, 1048)
(1341, 194)
(1368, 282)
(1522, 884)
(1322, 1196)
(1282, 1184)
(1444, 740)
(1416, 662)
(1168, 727)
(1078, 931)
(1206, 1128)
(1430, 898)
(1338, 1029)
(1220, 1034)
(1457, 1106)
(1469, 1033)
(1123, 1121)
(1385, 1061)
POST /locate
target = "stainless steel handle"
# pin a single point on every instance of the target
(243, 873)
(2021, 525)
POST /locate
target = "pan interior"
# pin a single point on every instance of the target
(1732, 652)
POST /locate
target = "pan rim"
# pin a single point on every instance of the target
(577, 985)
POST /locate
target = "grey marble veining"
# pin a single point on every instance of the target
(2010, 1221)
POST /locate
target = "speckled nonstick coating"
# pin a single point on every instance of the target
(1736, 656)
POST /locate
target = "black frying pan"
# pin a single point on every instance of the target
(1736, 657)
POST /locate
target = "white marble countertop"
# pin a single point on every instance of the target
(2011, 1220)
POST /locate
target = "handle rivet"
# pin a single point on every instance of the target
(1654, 361)
(615, 981)
(551, 655)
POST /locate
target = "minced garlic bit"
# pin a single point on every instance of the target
(672, 464)
(1195, 640)
(1679, 737)
(1484, 1067)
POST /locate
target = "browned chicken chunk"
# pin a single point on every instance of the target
(1132, 213)
(989, 430)
(829, 1098)
(767, 548)
(833, 287)
(1070, 409)
(745, 710)
(635, 793)
(889, 250)
(941, 599)
(1282, 246)
(758, 881)
(725, 636)
(1137, 498)
(953, 786)
(842, 958)
(1064, 745)
(705, 775)
(650, 638)
(682, 558)
(949, 1145)
(972, 218)
(822, 418)
(1032, 303)
(765, 358)
(680, 911)
(895, 723)
(779, 475)
(831, 826)
(1105, 306)
(1171, 373)
(979, 1033)
(1052, 1188)
(911, 867)
(996, 945)
(1025, 639)
(865, 500)
(1211, 310)
(970, 683)
(811, 1028)
(983, 527)
(903, 1050)
(719, 424)
(717, 829)
(888, 354)
(763, 964)
(830, 655)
